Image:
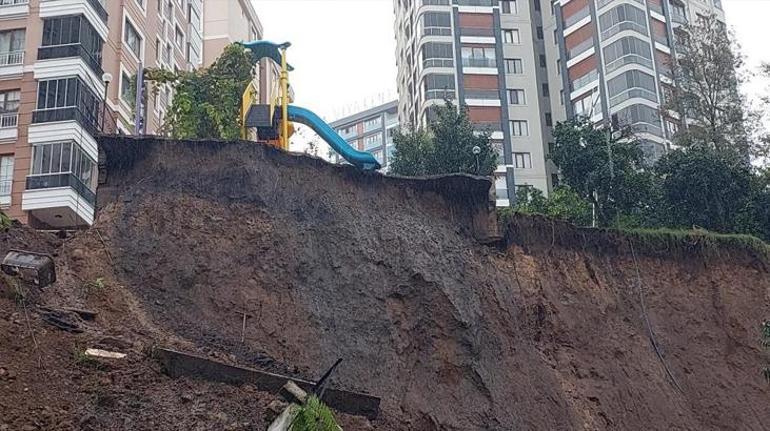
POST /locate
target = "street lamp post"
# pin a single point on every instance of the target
(476, 151)
(106, 78)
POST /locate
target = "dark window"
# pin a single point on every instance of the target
(537, 5)
(548, 119)
(555, 180)
(540, 32)
(546, 92)
(72, 31)
(542, 60)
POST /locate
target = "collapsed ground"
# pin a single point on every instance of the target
(550, 329)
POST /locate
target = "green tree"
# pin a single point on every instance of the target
(446, 147)
(705, 188)
(563, 204)
(207, 101)
(708, 71)
(604, 170)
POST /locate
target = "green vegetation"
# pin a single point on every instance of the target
(314, 415)
(563, 203)
(447, 146)
(94, 285)
(207, 101)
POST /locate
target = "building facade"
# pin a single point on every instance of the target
(230, 21)
(520, 66)
(60, 60)
(370, 130)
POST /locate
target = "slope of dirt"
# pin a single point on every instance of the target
(551, 330)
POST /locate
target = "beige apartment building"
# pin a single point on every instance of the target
(230, 21)
(59, 61)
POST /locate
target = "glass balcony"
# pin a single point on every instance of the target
(625, 25)
(67, 179)
(628, 59)
(440, 94)
(479, 62)
(484, 94)
(438, 62)
(632, 93)
(577, 16)
(580, 48)
(91, 123)
(71, 50)
(486, 3)
(477, 31)
(584, 80)
(96, 5)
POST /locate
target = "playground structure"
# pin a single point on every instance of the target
(273, 122)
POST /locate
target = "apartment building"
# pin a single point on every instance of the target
(59, 61)
(370, 130)
(230, 21)
(520, 66)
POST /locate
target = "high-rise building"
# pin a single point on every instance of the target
(59, 61)
(370, 130)
(520, 66)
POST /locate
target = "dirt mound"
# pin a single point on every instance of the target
(556, 328)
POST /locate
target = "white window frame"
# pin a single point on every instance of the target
(521, 96)
(519, 128)
(522, 160)
(142, 39)
(515, 36)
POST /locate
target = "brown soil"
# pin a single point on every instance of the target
(547, 331)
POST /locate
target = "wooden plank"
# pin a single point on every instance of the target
(177, 364)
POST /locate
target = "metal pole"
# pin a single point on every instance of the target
(284, 101)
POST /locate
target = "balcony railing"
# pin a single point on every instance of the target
(584, 80)
(601, 3)
(437, 31)
(66, 179)
(628, 59)
(477, 31)
(438, 62)
(476, 2)
(9, 120)
(484, 94)
(71, 50)
(479, 62)
(577, 16)
(436, 2)
(70, 113)
(631, 93)
(678, 17)
(5, 188)
(440, 94)
(11, 58)
(4, 3)
(625, 25)
(580, 48)
(644, 127)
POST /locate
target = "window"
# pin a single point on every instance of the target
(509, 6)
(555, 180)
(193, 17)
(479, 57)
(6, 177)
(178, 37)
(556, 37)
(9, 101)
(373, 141)
(553, 8)
(516, 97)
(372, 123)
(542, 61)
(12, 41)
(623, 17)
(439, 86)
(539, 31)
(437, 24)
(637, 51)
(127, 89)
(548, 119)
(546, 91)
(558, 66)
(140, 3)
(582, 106)
(167, 54)
(73, 30)
(522, 160)
(519, 128)
(561, 97)
(514, 66)
(63, 157)
(632, 83)
(438, 54)
(132, 39)
(68, 93)
(511, 36)
(501, 187)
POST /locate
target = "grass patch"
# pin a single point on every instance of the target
(314, 415)
(709, 242)
(96, 285)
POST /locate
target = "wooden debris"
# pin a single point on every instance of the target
(99, 353)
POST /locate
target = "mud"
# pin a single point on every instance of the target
(553, 328)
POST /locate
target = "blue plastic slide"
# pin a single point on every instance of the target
(360, 159)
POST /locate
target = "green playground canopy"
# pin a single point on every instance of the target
(265, 49)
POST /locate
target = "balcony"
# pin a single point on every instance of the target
(440, 94)
(577, 16)
(13, 8)
(68, 51)
(477, 32)
(601, 3)
(93, 10)
(436, 2)
(678, 17)
(477, 3)
(438, 62)
(584, 80)
(480, 62)
(436, 31)
(580, 48)
(11, 63)
(67, 179)
(487, 126)
(633, 93)
(482, 94)
(622, 26)
(72, 113)
(59, 200)
(628, 59)
(9, 125)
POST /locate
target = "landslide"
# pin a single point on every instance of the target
(554, 328)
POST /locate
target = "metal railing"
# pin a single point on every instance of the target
(476, 2)
(9, 120)
(580, 48)
(11, 58)
(64, 179)
(628, 59)
(479, 62)
(436, 2)
(436, 31)
(438, 62)
(477, 31)
(71, 50)
(584, 80)
(631, 93)
(5, 187)
(12, 2)
(577, 16)
(440, 94)
(485, 94)
(625, 25)
(88, 122)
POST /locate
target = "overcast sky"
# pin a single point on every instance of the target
(344, 50)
